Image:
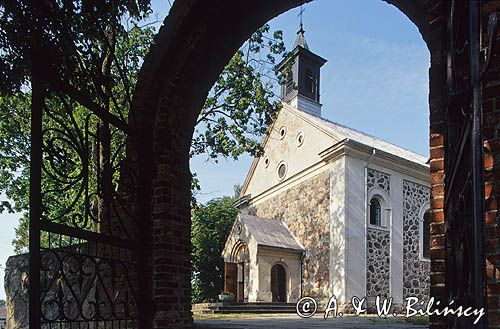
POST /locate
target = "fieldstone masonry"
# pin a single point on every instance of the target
(377, 263)
(378, 245)
(305, 210)
(415, 271)
(16, 290)
(378, 179)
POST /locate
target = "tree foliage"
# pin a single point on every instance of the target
(90, 54)
(243, 102)
(72, 38)
(211, 224)
(63, 114)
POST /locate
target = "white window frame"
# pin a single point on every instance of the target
(385, 207)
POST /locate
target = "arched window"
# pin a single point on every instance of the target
(426, 235)
(375, 212)
(309, 83)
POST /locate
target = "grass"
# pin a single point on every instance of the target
(210, 316)
(418, 320)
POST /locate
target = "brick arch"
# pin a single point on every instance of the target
(191, 49)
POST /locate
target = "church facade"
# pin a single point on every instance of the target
(328, 210)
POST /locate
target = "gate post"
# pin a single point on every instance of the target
(35, 198)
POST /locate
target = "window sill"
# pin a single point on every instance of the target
(379, 228)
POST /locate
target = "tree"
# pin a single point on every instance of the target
(130, 48)
(92, 54)
(211, 224)
(243, 102)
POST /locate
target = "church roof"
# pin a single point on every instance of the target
(301, 39)
(344, 132)
(270, 232)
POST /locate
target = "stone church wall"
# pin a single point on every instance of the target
(378, 245)
(378, 262)
(305, 209)
(416, 278)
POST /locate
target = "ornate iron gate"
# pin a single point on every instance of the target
(83, 237)
(464, 185)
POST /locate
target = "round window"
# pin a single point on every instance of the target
(266, 162)
(281, 170)
(300, 138)
(282, 132)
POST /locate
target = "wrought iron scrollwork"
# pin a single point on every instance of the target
(87, 255)
(463, 163)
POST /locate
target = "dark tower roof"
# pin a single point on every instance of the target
(301, 39)
(301, 87)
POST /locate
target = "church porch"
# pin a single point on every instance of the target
(262, 261)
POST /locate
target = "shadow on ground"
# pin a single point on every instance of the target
(295, 322)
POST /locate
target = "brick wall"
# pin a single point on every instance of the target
(436, 21)
(491, 135)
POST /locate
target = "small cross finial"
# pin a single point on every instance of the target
(300, 16)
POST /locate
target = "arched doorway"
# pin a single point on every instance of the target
(278, 284)
(242, 260)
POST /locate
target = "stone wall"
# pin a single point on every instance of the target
(16, 290)
(416, 280)
(305, 209)
(378, 263)
(78, 283)
(378, 243)
(378, 179)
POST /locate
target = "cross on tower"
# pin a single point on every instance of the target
(300, 16)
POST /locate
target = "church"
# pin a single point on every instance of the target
(328, 210)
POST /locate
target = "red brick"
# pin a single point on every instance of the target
(436, 140)
(437, 152)
(490, 217)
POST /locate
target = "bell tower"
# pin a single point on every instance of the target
(302, 86)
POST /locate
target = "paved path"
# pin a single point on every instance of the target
(294, 322)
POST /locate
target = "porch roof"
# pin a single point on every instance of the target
(270, 232)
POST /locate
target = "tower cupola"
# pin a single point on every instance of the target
(302, 85)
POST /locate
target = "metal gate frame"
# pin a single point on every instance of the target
(464, 181)
(85, 269)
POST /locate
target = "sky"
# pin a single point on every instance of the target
(375, 80)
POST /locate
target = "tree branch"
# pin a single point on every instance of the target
(88, 103)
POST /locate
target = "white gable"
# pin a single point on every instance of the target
(318, 134)
(296, 155)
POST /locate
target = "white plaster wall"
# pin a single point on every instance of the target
(305, 104)
(396, 181)
(252, 276)
(396, 283)
(267, 258)
(356, 223)
(356, 228)
(338, 207)
(297, 158)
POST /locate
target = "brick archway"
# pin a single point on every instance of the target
(197, 40)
